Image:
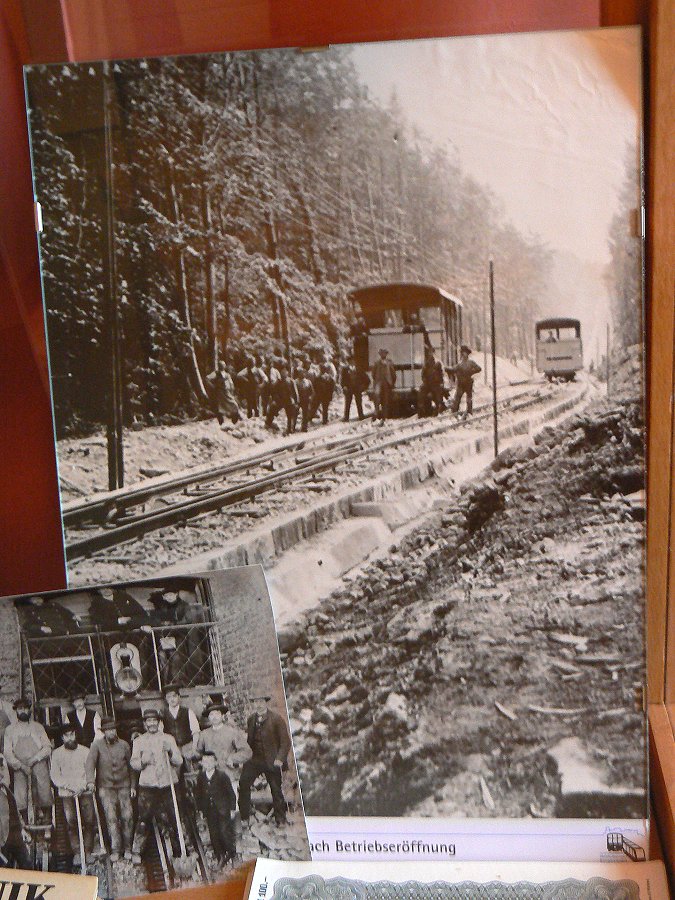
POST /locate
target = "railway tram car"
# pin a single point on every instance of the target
(559, 348)
(405, 319)
(118, 648)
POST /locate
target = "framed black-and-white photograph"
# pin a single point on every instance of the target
(145, 735)
(372, 316)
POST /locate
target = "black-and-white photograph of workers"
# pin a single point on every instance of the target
(375, 324)
(110, 770)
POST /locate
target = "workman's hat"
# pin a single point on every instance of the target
(171, 689)
(107, 722)
(383, 350)
(151, 713)
(22, 703)
(259, 695)
(464, 349)
(221, 707)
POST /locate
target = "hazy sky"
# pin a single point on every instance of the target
(546, 120)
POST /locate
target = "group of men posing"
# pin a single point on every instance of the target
(139, 780)
(269, 388)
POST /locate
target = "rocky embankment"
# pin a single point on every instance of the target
(496, 645)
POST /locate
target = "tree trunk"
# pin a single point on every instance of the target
(182, 285)
(211, 308)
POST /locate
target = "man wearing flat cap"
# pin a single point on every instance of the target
(107, 770)
(157, 758)
(270, 745)
(464, 373)
(225, 740)
(27, 751)
(68, 771)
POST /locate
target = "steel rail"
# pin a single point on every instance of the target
(114, 504)
(212, 502)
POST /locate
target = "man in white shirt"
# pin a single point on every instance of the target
(70, 779)
(156, 757)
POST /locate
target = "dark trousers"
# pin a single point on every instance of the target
(291, 411)
(251, 769)
(119, 817)
(305, 411)
(16, 854)
(430, 400)
(221, 830)
(251, 397)
(87, 817)
(462, 389)
(383, 394)
(358, 397)
(155, 803)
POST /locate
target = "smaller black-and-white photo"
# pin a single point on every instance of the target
(144, 732)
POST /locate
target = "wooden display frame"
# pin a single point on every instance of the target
(50, 36)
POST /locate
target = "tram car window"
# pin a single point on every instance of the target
(406, 320)
(559, 348)
(119, 646)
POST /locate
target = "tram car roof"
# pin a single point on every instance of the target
(401, 294)
(557, 323)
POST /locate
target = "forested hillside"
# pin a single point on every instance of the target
(228, 203)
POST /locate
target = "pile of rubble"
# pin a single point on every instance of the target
(443, 679)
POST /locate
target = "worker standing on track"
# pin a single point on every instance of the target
(27, 751)
(384, 379)
(464, 373)
(305, 398)
(69, 777)
(107, 769)
(223, 397)
(283, 395)
(149, 756)
(431, 389)
(354, 382)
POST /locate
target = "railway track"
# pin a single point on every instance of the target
(122, 517)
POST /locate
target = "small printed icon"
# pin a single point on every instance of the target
(617, 843)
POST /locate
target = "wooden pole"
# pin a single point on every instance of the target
(495, 430)
(114, 433)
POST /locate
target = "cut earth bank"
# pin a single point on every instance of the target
(494, 651)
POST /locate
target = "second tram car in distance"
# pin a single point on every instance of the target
(559, 348)
(405, 319)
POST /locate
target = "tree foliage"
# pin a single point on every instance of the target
(249, 193)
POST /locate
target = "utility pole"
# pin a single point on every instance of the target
(114, 425)
(607, 362)
(485, 365)
(495, 430)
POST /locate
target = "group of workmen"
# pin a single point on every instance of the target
(114, 787)
(267, 387)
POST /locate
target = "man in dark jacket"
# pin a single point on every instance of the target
(216, 799)
(464, 372)
(270, 744)
(305, 398)
(283, 395)
(354, 382)
(107, 771)
(431, 389)
(249, 381)
(86, 722)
